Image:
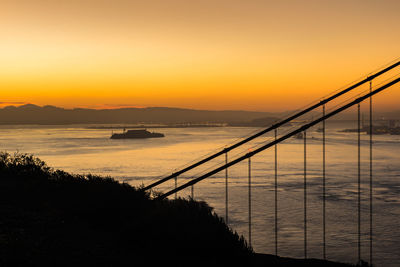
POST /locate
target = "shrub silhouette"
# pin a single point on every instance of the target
(53, 218)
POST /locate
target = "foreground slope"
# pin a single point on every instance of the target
(52, 218)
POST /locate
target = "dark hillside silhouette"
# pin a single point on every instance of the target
(52, 218)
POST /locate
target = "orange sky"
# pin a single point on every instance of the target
(209, 54)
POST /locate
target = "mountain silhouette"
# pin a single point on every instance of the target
(48, 115)
(33, 114)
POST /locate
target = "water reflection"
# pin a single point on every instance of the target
(81, 150)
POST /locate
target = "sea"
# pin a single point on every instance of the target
(84, 149)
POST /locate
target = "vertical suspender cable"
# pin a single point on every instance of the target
(250, 201)
(305, 194)
(176, 185)
(359, 184)
(226, 190)
(323, 188)
(276, 196)
(370, 175)
(192, 192)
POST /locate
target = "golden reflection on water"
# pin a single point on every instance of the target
(77, 149)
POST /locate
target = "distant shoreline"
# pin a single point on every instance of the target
(163, 117)
(149, 126)
(110, 125)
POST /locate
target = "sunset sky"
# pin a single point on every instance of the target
(209, 54)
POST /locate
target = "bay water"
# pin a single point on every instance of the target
(84, 149)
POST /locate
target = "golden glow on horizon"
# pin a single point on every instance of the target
(208, 55)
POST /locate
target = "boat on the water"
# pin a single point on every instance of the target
(136, 134)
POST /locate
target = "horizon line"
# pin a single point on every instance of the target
(18, 104)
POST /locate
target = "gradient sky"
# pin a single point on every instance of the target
(209, 54)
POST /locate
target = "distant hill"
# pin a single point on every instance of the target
(48, 115)
(33, 114)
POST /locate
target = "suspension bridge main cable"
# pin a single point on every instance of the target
(272, 127)
(282, 138)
